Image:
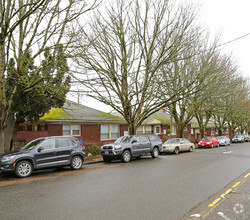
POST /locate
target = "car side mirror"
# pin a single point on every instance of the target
(40, 149)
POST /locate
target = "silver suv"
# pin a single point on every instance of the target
(126, 147)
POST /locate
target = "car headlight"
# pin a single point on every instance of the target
(7, 158)
(117, 147)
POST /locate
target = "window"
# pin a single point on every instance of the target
(144, 139)
(48, 144)
(144, 130)
(136, 139)
(109, 132)
(73, 130)
(157, 129)
(114, 131)
(64, 142)
(173, 130)
(212, 131)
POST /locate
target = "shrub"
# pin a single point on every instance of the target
(93, 149)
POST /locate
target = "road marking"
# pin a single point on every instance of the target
(247, 175)
(214, 202)
(227, 152)
(228, 191)
(223, 216)
(196, 215)
(236, 184)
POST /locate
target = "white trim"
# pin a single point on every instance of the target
(71, 130)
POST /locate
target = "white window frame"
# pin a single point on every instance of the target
(143, 129)
(109, 131)
(155, 130)
(71, 130)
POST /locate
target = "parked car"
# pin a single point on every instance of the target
(223, 140)
(238, 138)
(246, 137)
(127, 147)
(209, 141)
(43, 153)
(177, 145)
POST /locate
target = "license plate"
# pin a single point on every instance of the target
(106, 152)
(202, 145)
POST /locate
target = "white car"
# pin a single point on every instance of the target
(238, 138)
(223, 140)
(177, 145)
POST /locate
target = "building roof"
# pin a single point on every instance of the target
(73, 111)
(158, 118)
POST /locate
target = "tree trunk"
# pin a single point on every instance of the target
(131, 129)
(2, 148)
(202, 130)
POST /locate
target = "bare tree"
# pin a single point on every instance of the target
(124, 52)
(27, 27)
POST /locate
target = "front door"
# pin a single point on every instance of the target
(136, 145)
(45, 155)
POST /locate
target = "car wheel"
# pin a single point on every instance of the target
(126, 156)
(191, 149)
(176, 150)
(155, 152)
(212, 146)
(107, 159)
(23, 169)
(76, 163)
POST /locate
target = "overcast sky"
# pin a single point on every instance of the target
(231, 18)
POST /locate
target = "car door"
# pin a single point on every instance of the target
(215, 141)
(64, 148)
(136, 145)
(45, 154)
(145, 144)
(186, 144)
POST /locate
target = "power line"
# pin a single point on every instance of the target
(236, 39)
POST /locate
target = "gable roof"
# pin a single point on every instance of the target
(158, 118)
(73, 111)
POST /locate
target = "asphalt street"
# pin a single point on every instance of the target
(169, 187)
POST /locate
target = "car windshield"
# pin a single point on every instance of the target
(221, 137)
(31, 145)
(172, 141)
(206, 139)
(123, 139)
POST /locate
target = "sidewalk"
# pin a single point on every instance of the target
(93, 159)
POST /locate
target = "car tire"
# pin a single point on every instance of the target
(191, 149)
(106, 159)
(126, 156)
(76, 163)
(155, 152)
(176, 150)
(23, 168)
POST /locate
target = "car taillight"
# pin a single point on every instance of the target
(83, 148)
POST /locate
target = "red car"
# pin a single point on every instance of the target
(209, 141)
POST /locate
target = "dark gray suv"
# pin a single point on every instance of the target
(126, 147)
(43, 153)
